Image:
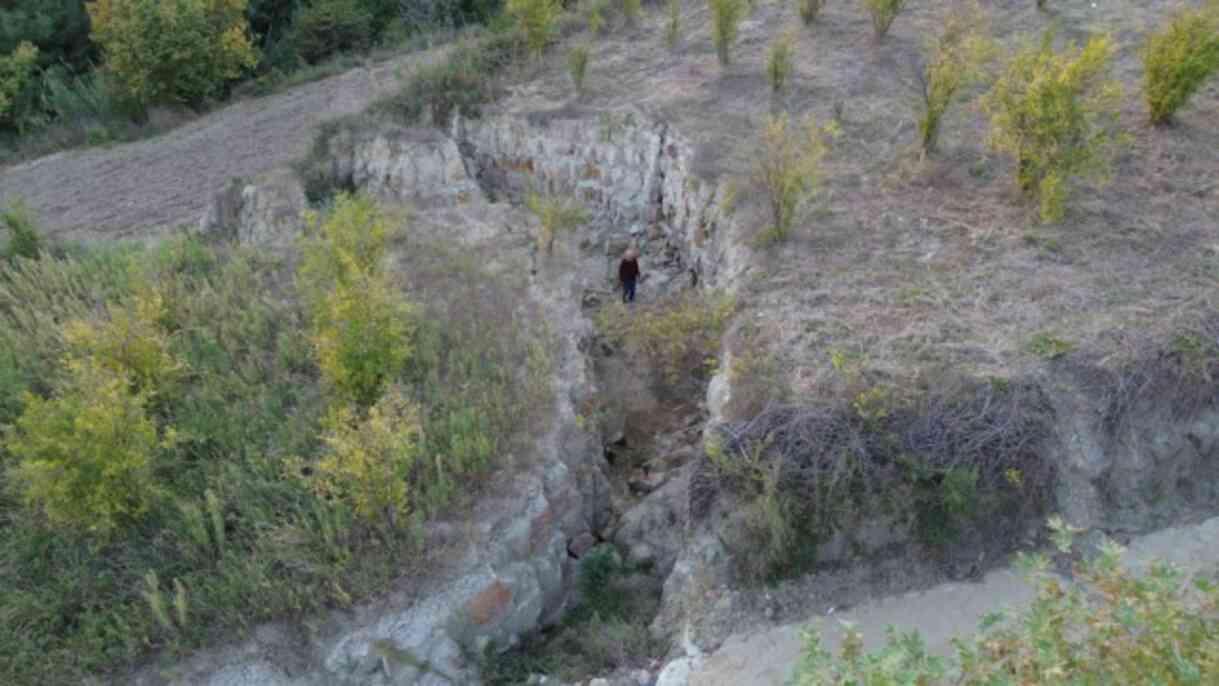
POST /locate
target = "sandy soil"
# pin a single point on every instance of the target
(130, 190)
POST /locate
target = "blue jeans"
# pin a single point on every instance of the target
(628, 291)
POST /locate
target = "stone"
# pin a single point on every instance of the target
(490, 603)
(653, 530)
(645, 482)
(676, 673)
(581, 544)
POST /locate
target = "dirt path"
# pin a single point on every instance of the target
(940, 613)
(126, 190)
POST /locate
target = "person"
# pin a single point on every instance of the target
(628, 274)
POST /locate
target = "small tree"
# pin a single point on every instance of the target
(16, 73)
(883, 13)
(23, 237)
(555, 215)
(85, 457)
(363, 339)
(810, 10)
(1178, 59)
(673, 25)
(130, 341)
(370, 459)
(577, 67)
(172, 50)
(1056, 114)
(954, 60)
(726, 18)
(536, 19)
(789, 168)
(779, 63)
(325, 27)
(631, 10)
(362, 328)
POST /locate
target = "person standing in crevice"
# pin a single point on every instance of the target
(628, 274)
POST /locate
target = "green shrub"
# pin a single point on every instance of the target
(536, 20)
(16, 76)
(678, 338)
(779, 63)
(324, 28)
(1178, 59)
(1107, 626)
(1056, 113)
(577, 67)
(810, 10)
(370, 460)
(631, 10)
(183, 51)
(555, 215)
(1049, 346)
(726, 18)
(673, 24)
(85, 457)
(883, 12)
(789, 169)
(23, 237)
(361, 326)
(954, 60)
(131, 342)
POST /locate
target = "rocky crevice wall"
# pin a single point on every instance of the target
(635, 175)
(516, 570)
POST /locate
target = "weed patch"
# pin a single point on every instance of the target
(966, 455)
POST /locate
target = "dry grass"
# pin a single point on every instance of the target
(919, 265)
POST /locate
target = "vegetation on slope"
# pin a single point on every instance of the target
(73, 71)
(191, 451)
(1109, 626)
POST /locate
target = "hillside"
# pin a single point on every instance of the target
(871, 415)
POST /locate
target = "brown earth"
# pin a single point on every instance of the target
(124, 191)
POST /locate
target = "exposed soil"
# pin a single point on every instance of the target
(134, 189)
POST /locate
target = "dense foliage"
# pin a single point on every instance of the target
(1179, 59)
(178, 464)
(1056, 113)
(180, 51)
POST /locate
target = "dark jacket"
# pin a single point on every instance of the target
(628, 270)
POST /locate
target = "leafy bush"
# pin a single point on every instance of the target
(555, 215)
(362, 335)
(810, 10)
(131, 342)
(631, 10)
(954, 60)
(577, 66)
(85, 457)
(16, 77)
(1056, 113)
(536, 19)
(181, 51)
(1108, 626)
(370, 461)
(1178, 59)
(789, 168)
(883, 12)
(23, 237)
(362, 328)
(679, 338)
(726, 16)
(325, 27)
(779, 63)
(673, 24)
